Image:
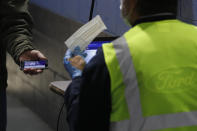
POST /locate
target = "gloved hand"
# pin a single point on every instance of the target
(74, 62)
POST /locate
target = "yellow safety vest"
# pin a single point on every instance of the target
(153, 72)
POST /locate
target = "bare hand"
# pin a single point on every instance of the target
(32, 55)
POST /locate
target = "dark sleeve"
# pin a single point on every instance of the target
(72, 103)
(16, 27)
(88, 98)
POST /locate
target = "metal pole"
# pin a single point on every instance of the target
(92, 10)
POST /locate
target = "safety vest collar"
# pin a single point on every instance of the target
(155, 17)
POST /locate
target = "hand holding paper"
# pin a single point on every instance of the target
(74, 58)
(74, 61)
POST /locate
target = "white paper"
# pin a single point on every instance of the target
(86, 34)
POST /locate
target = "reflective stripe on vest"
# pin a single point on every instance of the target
(137, 122)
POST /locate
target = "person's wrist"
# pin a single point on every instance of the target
(21, 52)
(77, 73)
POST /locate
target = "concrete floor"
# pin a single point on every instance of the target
(20, 118)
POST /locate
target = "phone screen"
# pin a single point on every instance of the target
(41, 64)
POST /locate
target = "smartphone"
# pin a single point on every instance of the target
(41, 64)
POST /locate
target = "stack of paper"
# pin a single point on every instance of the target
(86, 34)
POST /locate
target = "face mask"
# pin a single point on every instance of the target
(124, 17)
(126, 21)
(121, 4)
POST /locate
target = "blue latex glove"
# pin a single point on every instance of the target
(77, 51)
(73, 71)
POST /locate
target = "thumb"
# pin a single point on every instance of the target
(40, 56)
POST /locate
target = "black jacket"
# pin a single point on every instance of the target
(15, 33)
(94, 108)
(88, 98)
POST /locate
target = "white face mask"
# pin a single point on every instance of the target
(121, 4)
(125, 19)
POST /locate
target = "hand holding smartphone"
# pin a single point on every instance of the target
(33, 62)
